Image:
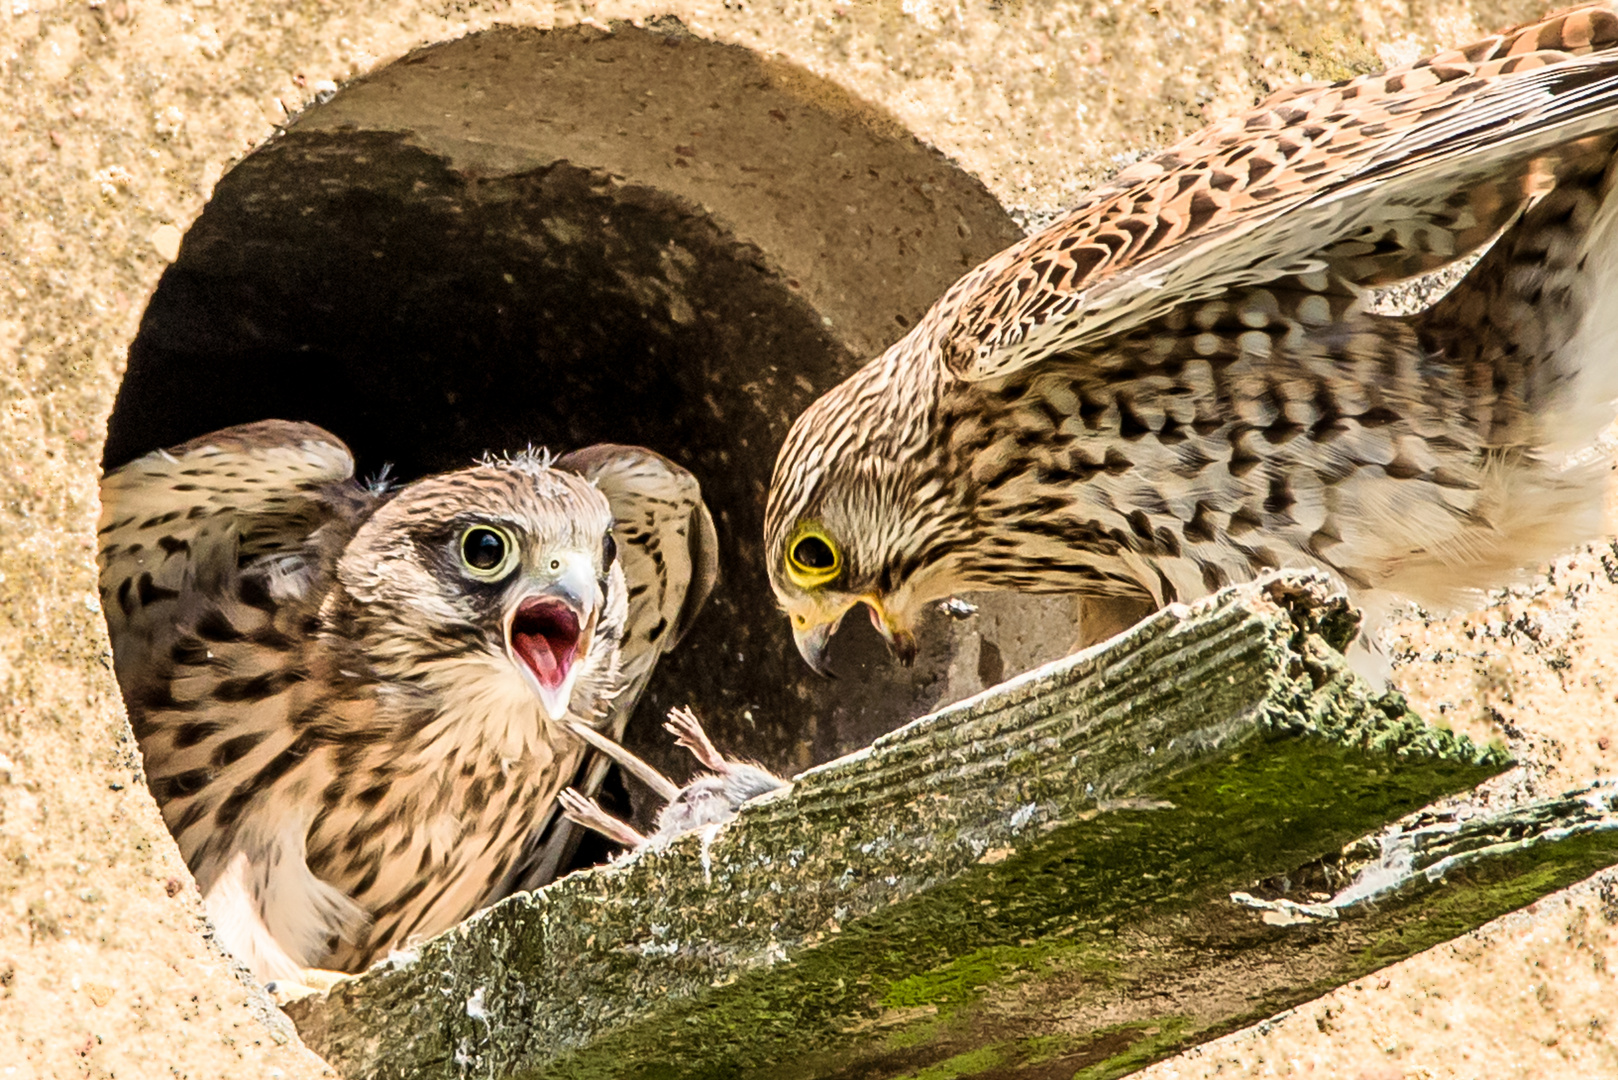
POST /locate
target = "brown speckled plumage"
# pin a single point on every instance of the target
(1181, 382)
(332, 712)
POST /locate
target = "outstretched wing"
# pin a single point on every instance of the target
(252, 495)
(670, 555)
(211, 556)
(1372, 181)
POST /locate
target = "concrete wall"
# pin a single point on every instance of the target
(120, 118)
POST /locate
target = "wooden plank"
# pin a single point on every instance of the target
(1034, 882)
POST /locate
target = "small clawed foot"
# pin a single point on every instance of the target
(306, 983)
(587, 812)
(687, 731)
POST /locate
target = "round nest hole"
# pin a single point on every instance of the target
(568, 237)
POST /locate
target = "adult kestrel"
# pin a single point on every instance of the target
(1181, 383)
(355, 705)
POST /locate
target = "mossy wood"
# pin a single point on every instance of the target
(1034, 882)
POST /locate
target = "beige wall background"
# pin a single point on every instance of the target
(117, 117)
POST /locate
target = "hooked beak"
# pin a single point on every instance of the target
(814, 638)
(813, 643)
(549, 628)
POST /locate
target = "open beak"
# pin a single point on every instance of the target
(814, 639)
(550, 628)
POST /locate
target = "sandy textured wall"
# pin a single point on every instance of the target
(117, 117)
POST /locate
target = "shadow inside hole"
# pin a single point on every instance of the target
(516, 238)
(358, 282)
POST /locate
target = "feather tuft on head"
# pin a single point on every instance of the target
(382, 482)
(530, 459)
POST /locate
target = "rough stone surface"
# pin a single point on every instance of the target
(1536, 668)
(119, 119)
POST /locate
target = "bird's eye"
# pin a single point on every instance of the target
(487, 552)
(812, 559)
(609, 550)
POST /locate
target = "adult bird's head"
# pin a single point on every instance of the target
(859, 512)
(500, 582)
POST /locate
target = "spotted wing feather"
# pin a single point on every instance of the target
(1372, 181)
(212, 556)
(253, 494)
(666, 542)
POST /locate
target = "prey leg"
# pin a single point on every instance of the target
(587, 812)
(661, 785)
(687, 731)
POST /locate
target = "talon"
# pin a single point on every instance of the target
(306, 983)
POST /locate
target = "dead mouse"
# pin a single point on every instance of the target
(710, 799)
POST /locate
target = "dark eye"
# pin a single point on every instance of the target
(813, 553)
(812, 558)
(483, 549)
(609, 551)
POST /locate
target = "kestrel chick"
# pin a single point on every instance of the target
(1181, 383)
(354, 706)
(670, 554)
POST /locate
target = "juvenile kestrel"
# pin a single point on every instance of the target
(1180, 383)
(355, 705)
(669, 550)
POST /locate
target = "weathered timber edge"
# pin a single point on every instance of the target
(890, 910)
